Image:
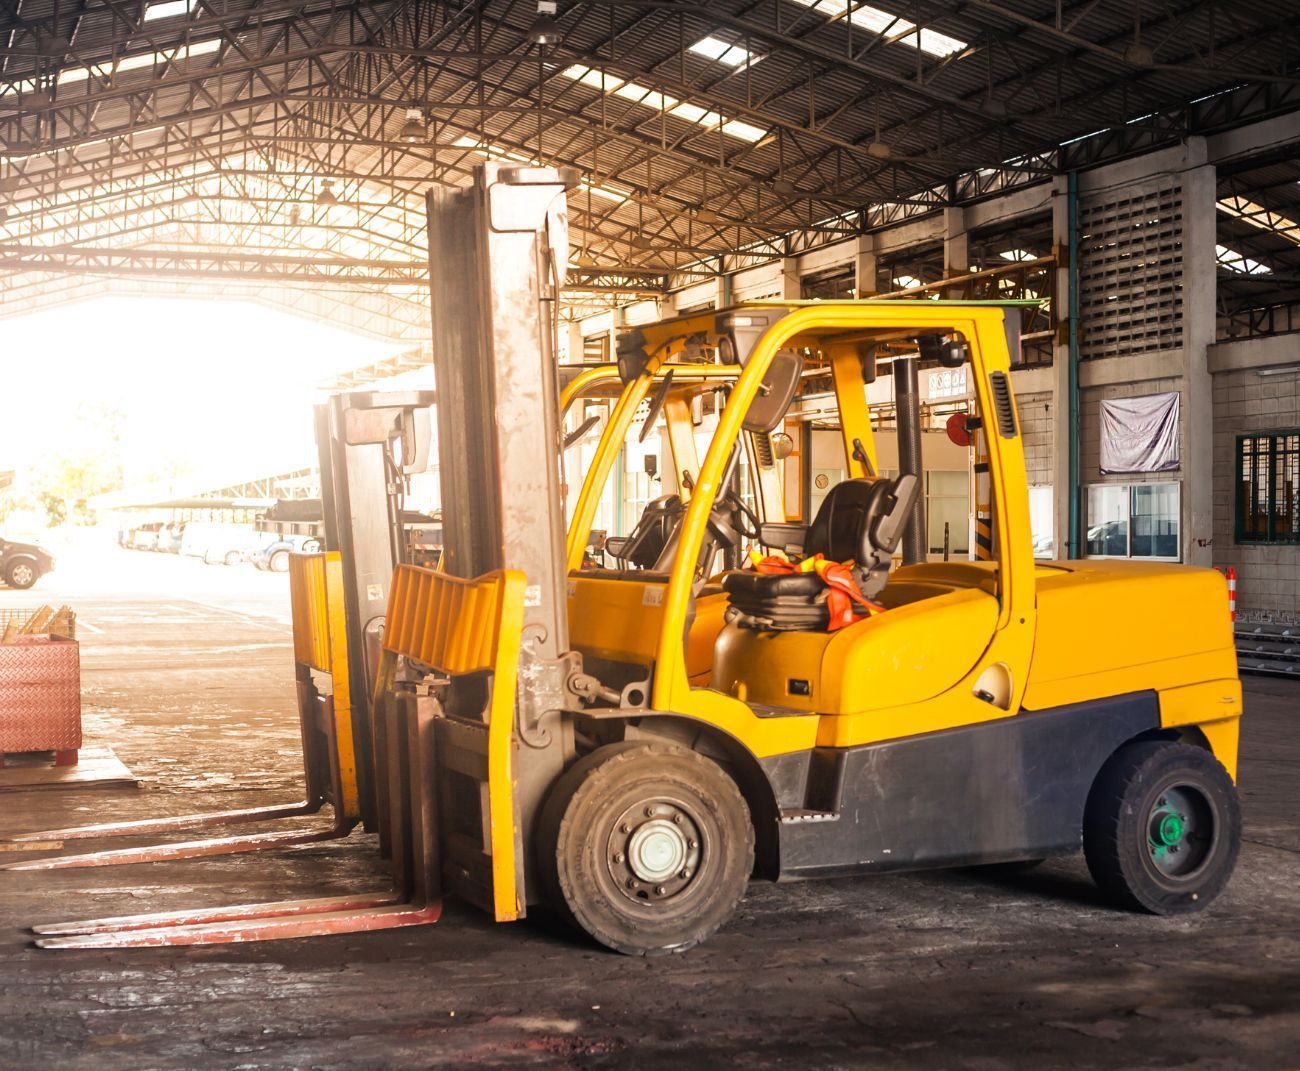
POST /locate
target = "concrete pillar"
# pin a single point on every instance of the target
(956, 247)
(865, 263)
(1061, 374)
(1199, 329)
(791, 289)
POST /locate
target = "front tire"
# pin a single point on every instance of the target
(279, 562)
(21, 574)
(1162, 828)
(646, 847)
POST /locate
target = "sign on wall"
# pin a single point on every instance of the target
(1140, 434)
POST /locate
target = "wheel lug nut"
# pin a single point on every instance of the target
(660, 890)
(625, 828)
(677, 819)
(618, 857)
(631, 883)
(684, 875)
(692, 844)
(649, 812)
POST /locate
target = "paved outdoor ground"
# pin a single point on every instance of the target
(189, 679)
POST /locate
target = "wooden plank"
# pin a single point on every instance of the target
(97, 767)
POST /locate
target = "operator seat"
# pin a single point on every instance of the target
(860, 521)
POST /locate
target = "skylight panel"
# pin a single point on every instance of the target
(725, 52)
(1016, 254)
(896, 30)
(1239, 262)
(1259, 216)
(168, 9)
(662, 102)
(640, 94)
(746, 131)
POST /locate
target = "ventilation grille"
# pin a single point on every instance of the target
(1003, 403)
(1130, 273)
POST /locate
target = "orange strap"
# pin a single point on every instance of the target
(844, 592)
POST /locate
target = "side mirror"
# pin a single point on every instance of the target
(777, 391)
(949, 352)
(782, 446)
(651, 465)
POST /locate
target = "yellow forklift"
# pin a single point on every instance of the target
(633, 743)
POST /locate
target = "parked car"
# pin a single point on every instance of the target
(145, 537)
(224, 544)
(274, 555)
(22, 564)
(170, 538)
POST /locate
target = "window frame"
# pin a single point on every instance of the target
(1128, 533)
(1270, 502)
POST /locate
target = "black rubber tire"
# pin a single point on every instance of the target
(582, 816)
(279, 562)
(22, 573)
(233, 557)
(1116, 838)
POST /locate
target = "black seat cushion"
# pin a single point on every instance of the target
(845, 529)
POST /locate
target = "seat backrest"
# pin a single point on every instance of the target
(863, 520)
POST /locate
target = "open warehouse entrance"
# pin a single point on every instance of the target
(487, 484)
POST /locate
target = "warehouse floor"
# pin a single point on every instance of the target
(948, 970)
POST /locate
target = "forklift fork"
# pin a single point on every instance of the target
(459, 629)
(329, 759)
(414, 900)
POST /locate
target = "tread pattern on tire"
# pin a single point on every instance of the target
(604, 765)
(1107, 825)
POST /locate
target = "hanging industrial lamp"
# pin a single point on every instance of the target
(414, 129)
(545, 30)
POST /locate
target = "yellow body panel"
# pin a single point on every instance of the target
(888, 660)
(619, 620)
(472, 626)
(320, 642)
(1112, 627)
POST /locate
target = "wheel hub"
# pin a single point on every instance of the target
(22, 574)
(1180, 831)
(654, 851)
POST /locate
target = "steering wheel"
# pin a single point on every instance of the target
(747, 520)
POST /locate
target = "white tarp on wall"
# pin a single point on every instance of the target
(1140, 434)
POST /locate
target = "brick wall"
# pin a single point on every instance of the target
(1037, 419)
(1268, 577)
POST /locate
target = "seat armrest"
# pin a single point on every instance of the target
(778, 535)
(615, 545)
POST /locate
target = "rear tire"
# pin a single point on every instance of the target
(232, 557)
(279, 562)
(1162, 828)
(646, 847)
(21, 574)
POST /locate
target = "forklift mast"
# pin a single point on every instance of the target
(497, 255)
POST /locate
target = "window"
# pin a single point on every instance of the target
(1268, 479)
(947, 506)
(836, 284)
(1133, 521)
(1041, 504)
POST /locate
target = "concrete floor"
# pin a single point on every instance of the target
(190, 682)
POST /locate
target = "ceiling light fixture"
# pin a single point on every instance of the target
(545, 30)
(327, 196)
(414, 129)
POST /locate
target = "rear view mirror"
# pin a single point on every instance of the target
(777, 391)
(782, 446)
(948, 352)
